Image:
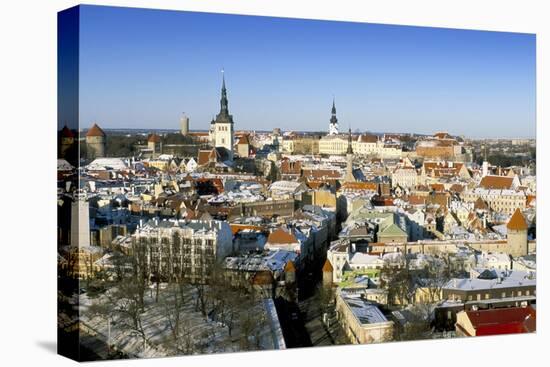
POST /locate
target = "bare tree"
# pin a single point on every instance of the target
(398, 282)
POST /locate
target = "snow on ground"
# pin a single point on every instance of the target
(211, 336)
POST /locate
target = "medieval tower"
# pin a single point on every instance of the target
(517, 235)
(95, 142)
(66, 140)
(327, 273)
(349, 161)
(184, 124)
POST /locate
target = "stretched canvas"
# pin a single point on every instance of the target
(230, 183)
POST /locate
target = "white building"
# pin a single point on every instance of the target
(221, 128)
(179, 247)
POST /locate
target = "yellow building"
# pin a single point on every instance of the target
(161, 165)
(365, 144)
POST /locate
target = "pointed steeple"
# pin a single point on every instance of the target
(224, 104)
(333, 119)
(333, 126)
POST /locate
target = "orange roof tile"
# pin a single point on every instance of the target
(243, 140)
(95, 130)
(280, 236)
(327, 267)
(417, 200)
(153, 138)
(437, 187)
(496, 182)
(517, 222)
(480, 204)
(236, 228)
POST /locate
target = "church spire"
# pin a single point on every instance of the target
(224, 104)
(333, 126)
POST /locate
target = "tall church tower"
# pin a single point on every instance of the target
(223, 125)
(333, 125)
(349, 158)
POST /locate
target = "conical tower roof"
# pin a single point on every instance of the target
(95, 130)
(327, 268)
(517, 222)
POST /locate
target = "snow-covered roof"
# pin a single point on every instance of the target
(102, 164)
(505, 279)
(364, 311)
(63, 165)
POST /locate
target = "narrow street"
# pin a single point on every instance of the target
(318, 332)
(302, 324)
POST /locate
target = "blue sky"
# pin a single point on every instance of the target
(142, 68)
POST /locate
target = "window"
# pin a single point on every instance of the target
(486, 295)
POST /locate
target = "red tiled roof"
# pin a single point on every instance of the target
(66, 132)
(205, 156)
(437, 187)
(357, 186)
(327, 267)
(315, 184)
(480, 204)
(243, 140)
(153, 138)
(442, 135)
(95, 130)
(496, 182)
(288, 167)
(236, 228)
(517, 222)
(456, 188)
(280, 236)
(417, 200)
(503, 320)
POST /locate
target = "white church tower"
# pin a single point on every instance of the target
(333, 125)
(222, 126)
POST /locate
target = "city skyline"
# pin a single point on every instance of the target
(220, 232)
(141, 69)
